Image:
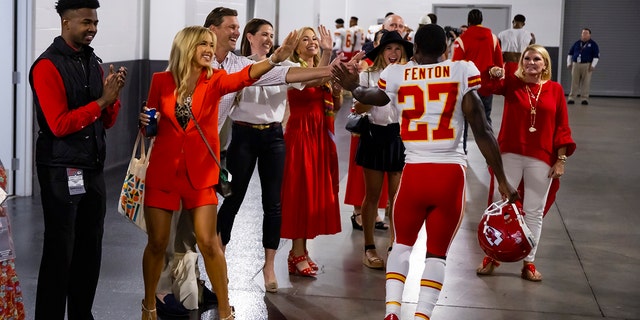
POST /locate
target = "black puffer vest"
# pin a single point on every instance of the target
(82, 78)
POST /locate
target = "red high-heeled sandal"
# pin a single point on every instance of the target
(487, 266)
(293, 261)
(312, 264)
(530, 273)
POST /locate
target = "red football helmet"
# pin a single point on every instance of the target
(503, 234)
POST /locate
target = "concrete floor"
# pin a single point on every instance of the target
(588, 251)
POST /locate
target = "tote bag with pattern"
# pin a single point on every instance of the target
(131, 201)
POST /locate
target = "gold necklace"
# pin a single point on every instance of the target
(533, 107)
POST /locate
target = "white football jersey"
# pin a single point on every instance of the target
(514, 40)
(429, 100)
(339, 38)
(354, 40)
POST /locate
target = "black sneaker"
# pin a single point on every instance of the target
(570, 102)
(585, 102)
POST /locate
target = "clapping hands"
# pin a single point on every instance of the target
(114, 81)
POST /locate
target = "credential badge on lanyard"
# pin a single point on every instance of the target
(76, 181)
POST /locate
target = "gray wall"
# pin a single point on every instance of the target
(122, 135)
(614, 25)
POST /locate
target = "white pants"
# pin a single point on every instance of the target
(535, 174)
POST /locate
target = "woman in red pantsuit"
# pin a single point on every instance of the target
(182, 172)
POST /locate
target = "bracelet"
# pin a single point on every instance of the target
(562, 158)
(271, 63)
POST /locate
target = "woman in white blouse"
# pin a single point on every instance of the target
(257, 134)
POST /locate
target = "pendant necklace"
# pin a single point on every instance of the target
(533, 107)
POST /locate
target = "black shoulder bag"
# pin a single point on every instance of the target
(358, 123)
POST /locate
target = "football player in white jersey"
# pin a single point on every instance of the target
(339, 36)
(348, 41)
(433, 99)
(357, 37)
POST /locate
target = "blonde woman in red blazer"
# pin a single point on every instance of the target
(181, 169)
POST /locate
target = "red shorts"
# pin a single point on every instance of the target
(433, 194)
(181, 190)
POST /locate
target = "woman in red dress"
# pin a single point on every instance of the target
(354, 191)
(309, 189)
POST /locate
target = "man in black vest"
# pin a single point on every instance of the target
(74, 107)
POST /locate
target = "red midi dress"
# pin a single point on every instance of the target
(310, 205)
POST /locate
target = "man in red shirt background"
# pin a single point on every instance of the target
(480, 46)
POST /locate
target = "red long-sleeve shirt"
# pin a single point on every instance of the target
(50, 90)
(551, 119)
(480, 46)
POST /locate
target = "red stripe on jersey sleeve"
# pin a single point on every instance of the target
(382, 84)
(474, 81)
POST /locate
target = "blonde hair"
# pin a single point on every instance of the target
(546, 73)
(181, 57)
(295, 56)
(380, 63)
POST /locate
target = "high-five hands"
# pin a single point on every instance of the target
(346, 75)
(286, 49)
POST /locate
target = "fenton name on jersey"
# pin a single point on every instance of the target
(422, 73)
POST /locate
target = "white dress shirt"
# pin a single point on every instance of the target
(234, 63)
(263, 104)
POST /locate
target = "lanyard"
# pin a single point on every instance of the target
(583, 45)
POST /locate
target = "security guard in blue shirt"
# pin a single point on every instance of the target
(582, 59)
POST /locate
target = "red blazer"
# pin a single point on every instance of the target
(173, 143)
